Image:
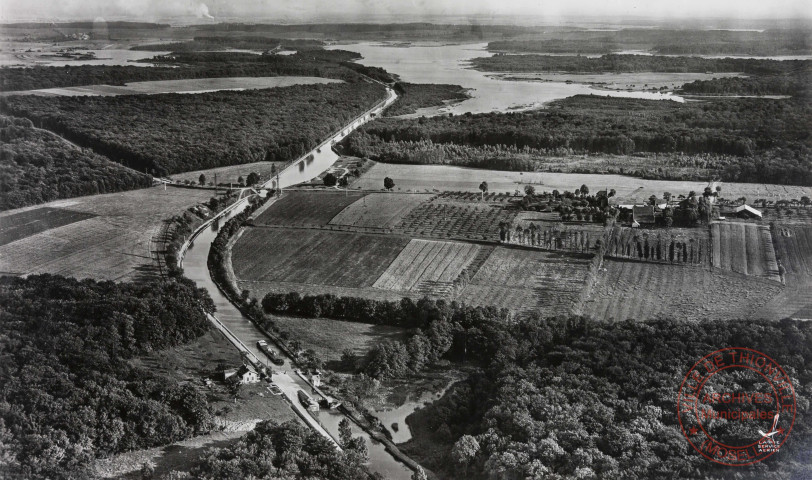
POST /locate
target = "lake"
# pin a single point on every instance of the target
(437, 63)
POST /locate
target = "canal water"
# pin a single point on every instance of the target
(195, 267)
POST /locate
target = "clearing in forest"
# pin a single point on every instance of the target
(744, 248)
(300, 208)
(521, 280)
(313, 256)
(379, 210)
(428, 266)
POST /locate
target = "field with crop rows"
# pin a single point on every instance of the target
(744, 248)
(522, 280)
(31, 222)
(428, 266)
(114, 242)
(303, 208)
(643, 290)
(379, 210)
(443, 218)
(313, 256)
(794, 248)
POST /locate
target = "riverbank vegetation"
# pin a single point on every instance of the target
(412, 96)
(613, 63)
(70, 393)
(287, 450)
(37, 167)
(772, 41)
(741, 140)
(244, 42)
(172, 133)
(192, 64)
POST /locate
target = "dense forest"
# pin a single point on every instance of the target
(797, 83)
(36, 166)
(191, 64)
(69, 393)
(285, 451)
(173, 133)
(751, 140)
(634, 63)
(412, 96)
(564, 397)
(783, 41)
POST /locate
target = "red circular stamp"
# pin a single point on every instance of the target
(736, 406)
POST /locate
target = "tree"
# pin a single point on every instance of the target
(584, 190)
(253, 178)
(612, 193)
(344, 432)
(201, 179)
(652, 200)
(805, 201)
(529, 190)
(484, 187)
(465, 450)
(330, 180)
(343, 181)
(419, 474)
(667, 196)
(241, 180)
(388, 183)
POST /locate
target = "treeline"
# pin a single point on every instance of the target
(762, 140)
(634, 63)
(70, 394)
(38, 167)
(171, 133)
(412, 96)
(247, 42)
(183, 65)
(796, 83)
(578, 398)
(782, 41)
(288, 450)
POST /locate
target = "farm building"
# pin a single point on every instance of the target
(746, 211)
(642, 215)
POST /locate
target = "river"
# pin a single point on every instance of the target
(437, 63)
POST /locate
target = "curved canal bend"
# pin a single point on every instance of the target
(195, 265)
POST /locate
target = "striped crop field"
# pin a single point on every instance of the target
(299, 208)
(521, 279)
(744, 248)
(428, 266)
(379, 210)
(313, 256)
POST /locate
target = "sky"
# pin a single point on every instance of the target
(289, 11)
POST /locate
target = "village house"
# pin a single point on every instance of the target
(246, 374)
